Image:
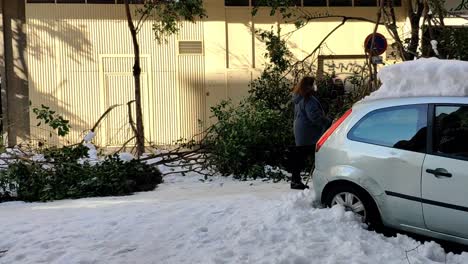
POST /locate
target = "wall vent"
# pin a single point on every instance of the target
(190, 47)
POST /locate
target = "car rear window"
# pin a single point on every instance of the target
(402, 127)
(451, 131)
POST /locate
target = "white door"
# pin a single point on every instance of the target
(445, 173)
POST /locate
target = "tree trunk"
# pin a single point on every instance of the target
(140, 134)
(415, 18)
(393, 28)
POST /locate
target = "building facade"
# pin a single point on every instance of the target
(76, 56)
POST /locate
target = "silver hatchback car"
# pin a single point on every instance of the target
(401, 163)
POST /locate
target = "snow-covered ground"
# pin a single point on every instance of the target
(188, 221)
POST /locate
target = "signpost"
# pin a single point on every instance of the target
(379, 47)
(380, 44)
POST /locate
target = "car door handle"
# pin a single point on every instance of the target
(439, 172)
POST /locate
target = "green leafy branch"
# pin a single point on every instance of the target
(52, 119)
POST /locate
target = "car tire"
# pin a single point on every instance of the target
(371, 214)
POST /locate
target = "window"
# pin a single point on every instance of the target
(84, 1)
(315, 2)
(101, 2)
(131, 1)
(236, 2)
(310, 2)
(403, 127)
(451, 131)
(365, 3)
(41, 1)
(395, 2)
(266, 2)
(70, 1)
(340, 2)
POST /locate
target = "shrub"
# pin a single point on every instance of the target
(257, 132)
(335, 100)
(273, 91)
(246, 138)
(61, 176)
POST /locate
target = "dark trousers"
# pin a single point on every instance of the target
(297, 160)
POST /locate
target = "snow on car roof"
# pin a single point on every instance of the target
(422, 78)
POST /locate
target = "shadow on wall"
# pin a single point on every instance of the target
(73, 37)
(44, 133)
(16, 70)
(75, 47)
(46, 79)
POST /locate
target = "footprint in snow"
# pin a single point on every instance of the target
(203, 229)
(125, 250)
(3, 253)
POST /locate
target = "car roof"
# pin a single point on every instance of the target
(388, 102)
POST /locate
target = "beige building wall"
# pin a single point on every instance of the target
(81, 59)
(80, 63)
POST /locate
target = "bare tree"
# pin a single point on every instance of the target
(166, 15)
(139, 130)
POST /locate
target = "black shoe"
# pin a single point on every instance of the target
(298, 186)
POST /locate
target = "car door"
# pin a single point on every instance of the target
(388, 146)
(445, 171)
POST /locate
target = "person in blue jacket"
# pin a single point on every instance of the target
(310, 122)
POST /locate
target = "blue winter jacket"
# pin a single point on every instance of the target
(310, 121)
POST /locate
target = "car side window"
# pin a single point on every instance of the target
(402, 127)
(451, 131)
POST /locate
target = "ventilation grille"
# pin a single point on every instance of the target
(190, 47)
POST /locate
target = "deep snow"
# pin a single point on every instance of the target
(423, 77)
(188, 221)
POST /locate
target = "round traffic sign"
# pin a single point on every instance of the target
(380, 44)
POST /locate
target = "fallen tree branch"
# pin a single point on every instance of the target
(125, 144)
(204, 173)
(104, 115)
(98, 122)
(316, 48)
(408, 251)
(175, 172)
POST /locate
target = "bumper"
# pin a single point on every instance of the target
(319, 181)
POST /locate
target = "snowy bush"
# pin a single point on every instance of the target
(59, 174)
(246, 138)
